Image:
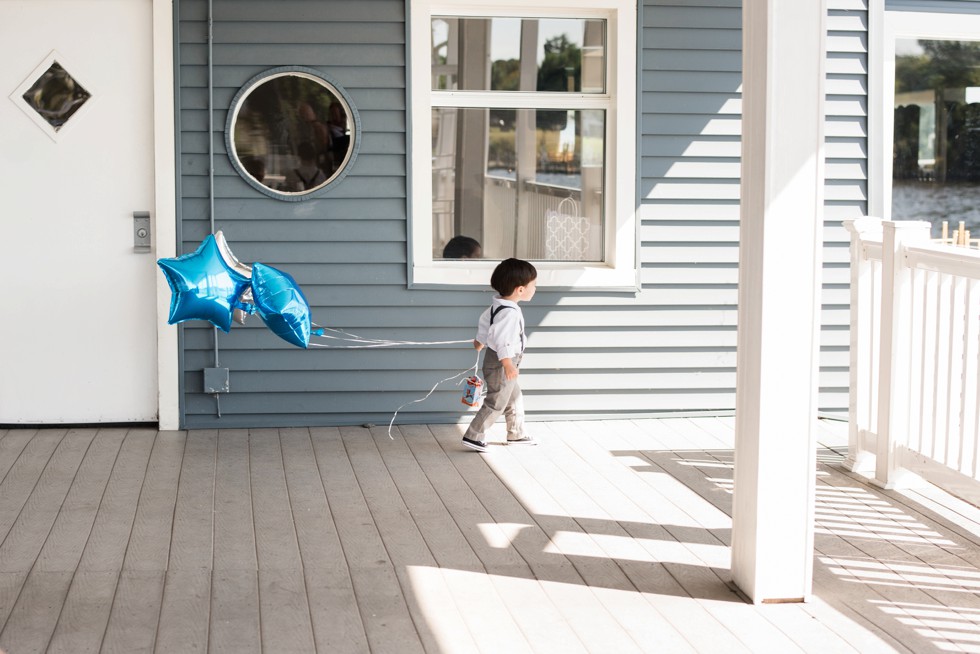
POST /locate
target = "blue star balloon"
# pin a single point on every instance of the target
(281, 304)
(204, 286)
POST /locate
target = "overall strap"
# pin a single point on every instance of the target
(495, 311)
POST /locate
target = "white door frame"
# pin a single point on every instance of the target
(165, 207)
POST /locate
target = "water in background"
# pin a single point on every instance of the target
(934, 203)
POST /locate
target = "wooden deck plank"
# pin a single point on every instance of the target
(388, 625)
(337, 625)
(404, 542)
(605, 559)
(63, 547)
(12, 445)
(699, 434)
(148, 548)
(27, 535)
(81, 625)
(235, 611)
(734, 618)
(914, 565)
(798, 623)
(135, 613)
(851, 625)
(35, 614)
(489, 542)
(283, 603)
(185, 611)
(191, 546)
(603, 538)
(678, 488)
(284, 610)
(490, 546)
(578, 603)
(234, 529)
(476, 615)
(275, 532)
(11, 584)
(109, 538)
(701, 576)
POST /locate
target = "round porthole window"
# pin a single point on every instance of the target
(292, 133)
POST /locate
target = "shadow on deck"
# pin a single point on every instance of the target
(611, 536)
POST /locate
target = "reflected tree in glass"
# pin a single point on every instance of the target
(936, 152)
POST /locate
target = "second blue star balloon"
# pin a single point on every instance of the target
(281, 304)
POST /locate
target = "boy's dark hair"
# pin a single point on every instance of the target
(460, 247)
(511, 273)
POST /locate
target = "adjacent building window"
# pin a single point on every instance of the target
(936, 158)
(524, 141)
(933, 119)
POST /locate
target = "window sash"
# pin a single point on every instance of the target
(619, 268)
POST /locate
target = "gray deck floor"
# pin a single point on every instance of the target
(609, 537)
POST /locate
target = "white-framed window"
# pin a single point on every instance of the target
(925, 152)
(523, 126)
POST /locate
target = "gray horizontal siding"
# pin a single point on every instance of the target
(690, 169)
(347, 249)
(670, 348)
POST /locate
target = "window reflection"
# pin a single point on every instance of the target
(523, 182)
(56, 96)
(936, 155)
(568, 54)
(292, 133)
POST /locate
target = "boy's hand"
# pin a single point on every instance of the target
(477, 344)
(510, 370)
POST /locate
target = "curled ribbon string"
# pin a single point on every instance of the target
(474, 368)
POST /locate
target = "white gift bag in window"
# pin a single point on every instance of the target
(569, 236)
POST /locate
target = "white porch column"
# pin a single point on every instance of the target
(783, 52)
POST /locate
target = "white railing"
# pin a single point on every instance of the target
(915, 348)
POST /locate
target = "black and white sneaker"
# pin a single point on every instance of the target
(525, 440)
(479, 446)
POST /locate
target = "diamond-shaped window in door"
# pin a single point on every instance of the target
(56, 96)
(51, 96)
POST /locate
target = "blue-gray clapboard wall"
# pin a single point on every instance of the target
(670, 348)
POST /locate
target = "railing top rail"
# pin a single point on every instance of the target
(956, 261)
(871, 249)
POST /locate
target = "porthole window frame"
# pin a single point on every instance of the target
(331, 85)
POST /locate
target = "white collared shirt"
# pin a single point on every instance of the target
(506, 335)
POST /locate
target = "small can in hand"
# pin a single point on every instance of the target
(472, 391)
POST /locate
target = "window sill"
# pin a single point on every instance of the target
(551, 275)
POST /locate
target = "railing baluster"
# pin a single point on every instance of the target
(954, 388)
(929, 382)
(975, 440)
(969, 409)
(916, 361)
(928, 356)
(875, 347)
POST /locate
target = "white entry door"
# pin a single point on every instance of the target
(77, 303)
